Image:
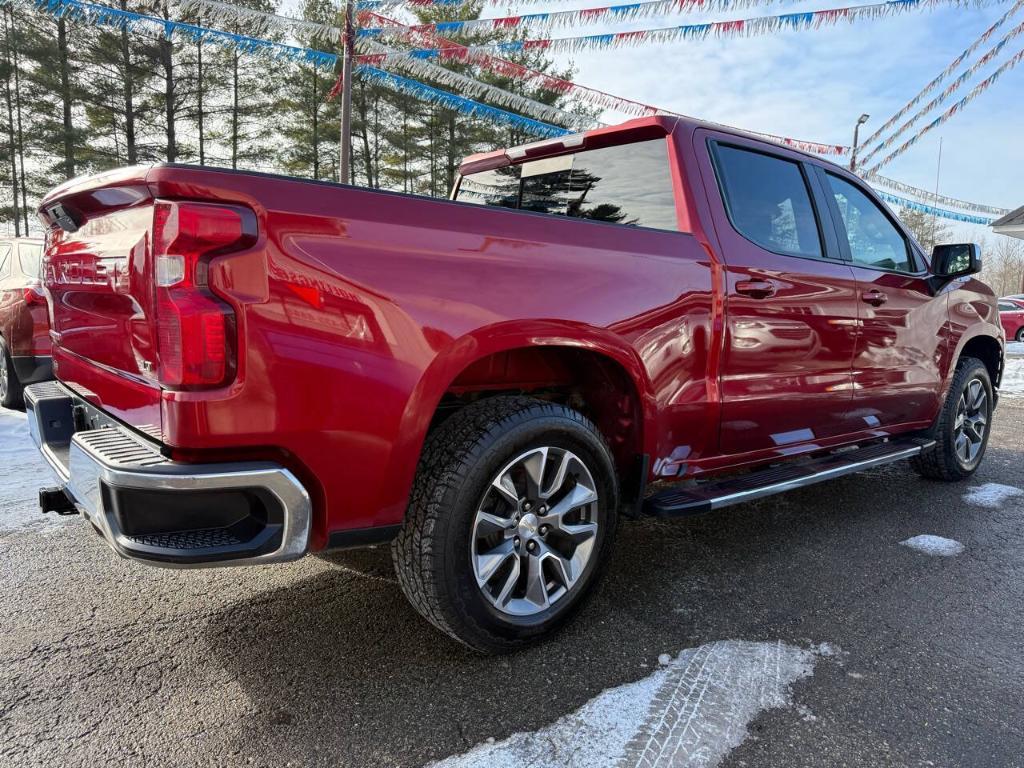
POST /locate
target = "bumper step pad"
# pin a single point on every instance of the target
(675, 502)
(153, 509)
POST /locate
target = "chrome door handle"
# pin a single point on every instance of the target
(757, 289)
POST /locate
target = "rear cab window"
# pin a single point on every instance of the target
(768, 201)
(627, 184)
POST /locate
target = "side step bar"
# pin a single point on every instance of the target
(675, 502)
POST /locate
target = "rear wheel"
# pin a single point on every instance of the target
(962, 428)
(1020, 334)
(10, 387)
(510, 522)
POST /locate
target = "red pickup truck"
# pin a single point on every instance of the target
(253, 367)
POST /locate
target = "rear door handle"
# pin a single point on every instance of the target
(874, 297)
(757, 289)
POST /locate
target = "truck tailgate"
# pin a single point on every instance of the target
(97, 275)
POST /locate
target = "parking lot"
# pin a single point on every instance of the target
(793, 631)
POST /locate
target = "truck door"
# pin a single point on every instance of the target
(791, 299)
(901, 348)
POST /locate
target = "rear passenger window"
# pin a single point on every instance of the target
(31, 257)
(874, 239)
(629, 184)
(768, 201)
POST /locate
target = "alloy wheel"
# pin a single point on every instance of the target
(971, 424)
(535, 531)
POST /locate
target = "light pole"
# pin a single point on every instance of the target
(856, 137)
(348, 43)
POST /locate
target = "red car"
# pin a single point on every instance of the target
(24, 322)
(253, 367)
(1011, 315)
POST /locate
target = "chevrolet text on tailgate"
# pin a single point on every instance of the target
(252, 368)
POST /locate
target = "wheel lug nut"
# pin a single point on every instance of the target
(516, 542)
(531, 545)
(526, 506)
(544, 530)
(543, 509)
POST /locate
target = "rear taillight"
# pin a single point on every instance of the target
(33, 295)
(195, 329)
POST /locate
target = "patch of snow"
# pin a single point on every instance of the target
(22, 473)
(1015, 349)
(829, 650)
(806, 715)
(664, 660)
(692, 712)
(1012, 384)
(992, 495)
(934, 545)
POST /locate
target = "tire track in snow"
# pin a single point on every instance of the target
(692, 712)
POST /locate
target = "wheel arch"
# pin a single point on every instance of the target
(983, 346)
(465, 366)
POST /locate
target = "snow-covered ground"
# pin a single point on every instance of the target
(934, 545)
(1013, 375)
(22, 473)
(691, 712)
(992, 495)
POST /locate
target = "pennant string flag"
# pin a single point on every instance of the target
(476, 88)
(81, 11)
(931, 210)
(104, 16)
(946, 93)
(669, 6)
(986, 35)
(980, 88)
(458, 103)
(498, 66)
(581, 16)
(519, 72)
(90, 13)
(759, 25)
(804, 146)
(218, 14)
(877, 180)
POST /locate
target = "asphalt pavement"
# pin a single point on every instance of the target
(868, 652)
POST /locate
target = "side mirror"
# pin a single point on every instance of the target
(956, 260)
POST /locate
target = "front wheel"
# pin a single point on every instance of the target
(962, 428)
(510, 522)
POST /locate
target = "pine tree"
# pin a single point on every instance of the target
(310, 125)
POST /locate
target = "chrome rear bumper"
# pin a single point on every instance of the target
(163, 512)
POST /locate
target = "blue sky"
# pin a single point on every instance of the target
(813, 84)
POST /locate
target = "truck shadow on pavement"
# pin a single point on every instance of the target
(338, 669)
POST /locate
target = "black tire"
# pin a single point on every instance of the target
(1020, 335)
(433, 553)
(10, 386)
(943, 461)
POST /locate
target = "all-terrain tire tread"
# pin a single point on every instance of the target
(938, 462)
(449, 453)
